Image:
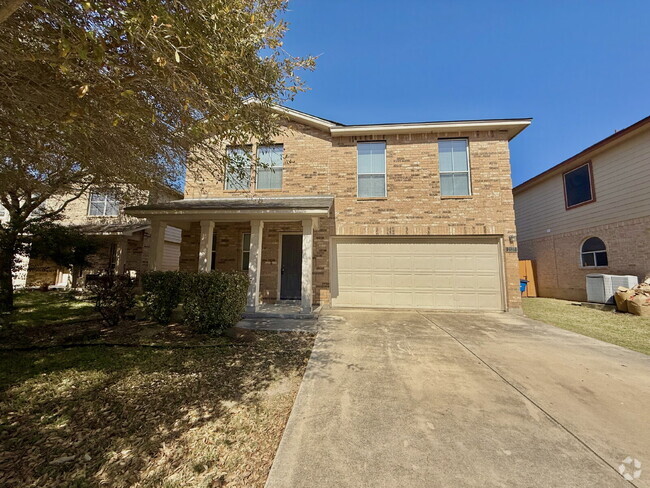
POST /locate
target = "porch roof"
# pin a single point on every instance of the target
(258, 206)
(125, 229)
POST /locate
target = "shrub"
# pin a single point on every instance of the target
(214, 301)
(114, 296)
(162, 294)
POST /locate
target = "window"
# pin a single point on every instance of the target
(270, 177)
(454, 167)
(213, 254)
(239, 176)
(371, 169)
(593, 253)
(245, 251)
(103, 205)
(578, 186)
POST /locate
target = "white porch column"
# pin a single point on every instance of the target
(120, 254)
(254, 265)
(307, 253)
(157, 245)
(205, 247)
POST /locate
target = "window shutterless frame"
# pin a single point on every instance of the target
(109, 205)
(245, 153)
(453, 172)
(373, 173)
(593, 253)
(270, 178)
(591, 186)
(245, 251)
(213, 253)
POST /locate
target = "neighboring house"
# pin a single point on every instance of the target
(589, 214)
(124, 240)
(411, 215)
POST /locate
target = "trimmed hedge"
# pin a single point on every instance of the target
(215, 300)
(162, 294)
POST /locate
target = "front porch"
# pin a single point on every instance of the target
(271, 239)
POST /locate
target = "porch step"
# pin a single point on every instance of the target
(277, 312)
(271, 315)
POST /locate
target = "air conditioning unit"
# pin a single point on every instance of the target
(601, 287)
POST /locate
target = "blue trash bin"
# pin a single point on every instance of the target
(522, 285)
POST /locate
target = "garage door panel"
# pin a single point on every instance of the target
(382, 280)
(445, 274)
(402, 280)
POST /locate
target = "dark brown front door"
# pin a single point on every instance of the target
(291, 267)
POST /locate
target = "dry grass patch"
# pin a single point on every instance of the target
(145, 417)
(35, 308)
(622, 329)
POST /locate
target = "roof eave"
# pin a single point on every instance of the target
(584, 155)
(514, 127)
(305, 118)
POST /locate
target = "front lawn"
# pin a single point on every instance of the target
(622, 329)
(34, 308)
(193, 410)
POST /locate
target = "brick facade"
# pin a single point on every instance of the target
(40, 272)
(317, 163)
(557, 257)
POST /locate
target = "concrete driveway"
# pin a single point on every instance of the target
(409, 399)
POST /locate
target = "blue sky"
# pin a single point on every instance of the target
(580, 68)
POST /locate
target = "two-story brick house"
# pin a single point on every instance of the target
(412, 215)
(123, 241)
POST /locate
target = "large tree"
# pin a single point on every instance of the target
(118, 91)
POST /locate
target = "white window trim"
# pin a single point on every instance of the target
(469, 168)
(213, 252)
(582, 253)
(244, 250)
(250, 171)
(274, 168)
(385, 173)
(106, 197)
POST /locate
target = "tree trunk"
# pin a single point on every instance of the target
(6, 280)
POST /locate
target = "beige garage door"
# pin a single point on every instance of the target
(444, 274)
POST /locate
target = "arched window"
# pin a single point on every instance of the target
(593, 253)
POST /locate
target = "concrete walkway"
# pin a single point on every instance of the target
(394, 399)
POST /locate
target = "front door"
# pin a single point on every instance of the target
(291, 267)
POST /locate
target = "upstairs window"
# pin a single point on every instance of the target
(269, 177)
(102, 204)
(371, 169)
(593, 253)
(454, 167)
(578, 186)
(238, 172)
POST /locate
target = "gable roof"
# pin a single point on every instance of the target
(337, 129)
(615, 138)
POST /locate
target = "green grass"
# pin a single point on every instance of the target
(36, 308)
(117, 416)
(622, 329)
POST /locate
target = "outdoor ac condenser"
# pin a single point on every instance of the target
(601, 287)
